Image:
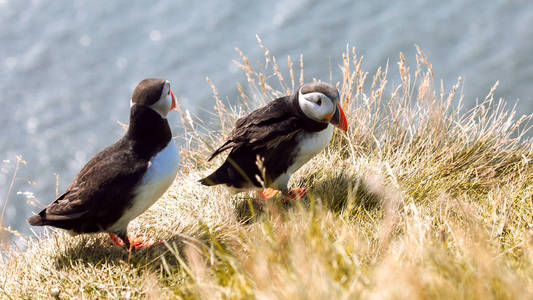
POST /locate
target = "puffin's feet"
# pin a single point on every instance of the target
(139, 242)
(116, 240)
(267, 193)
(136, 243)
(296, 194)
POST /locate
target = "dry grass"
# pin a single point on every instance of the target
(418, 200)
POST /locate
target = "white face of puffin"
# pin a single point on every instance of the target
(317, 106)
(321, 108)
(166, 102)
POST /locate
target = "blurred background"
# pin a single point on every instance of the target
(68, 68)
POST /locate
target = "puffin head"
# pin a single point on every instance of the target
(156, 94)
(320, 102)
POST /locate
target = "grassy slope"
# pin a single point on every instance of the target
(417, 200)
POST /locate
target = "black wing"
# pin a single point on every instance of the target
(265, 127)
(98, 194)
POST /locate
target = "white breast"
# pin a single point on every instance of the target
(159, 176)
(310, 145)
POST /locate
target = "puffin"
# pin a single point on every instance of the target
(271, 143)
(123, 180)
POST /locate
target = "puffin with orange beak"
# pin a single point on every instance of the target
(282, 136)
(123, 180)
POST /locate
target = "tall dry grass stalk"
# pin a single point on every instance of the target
(420, 199)
(5, 232)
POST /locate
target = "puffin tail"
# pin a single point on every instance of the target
(36, 220)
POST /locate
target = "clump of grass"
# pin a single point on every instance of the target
(419, 199)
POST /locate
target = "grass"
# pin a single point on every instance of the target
(420, 199)
(6, 231)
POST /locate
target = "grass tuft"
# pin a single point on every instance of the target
(419, 199)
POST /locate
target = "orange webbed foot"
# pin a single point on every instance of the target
(136, 243)
(267, 193)
(139, 242)
(296, 194)
(116, 240)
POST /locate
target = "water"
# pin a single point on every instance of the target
(67, 68)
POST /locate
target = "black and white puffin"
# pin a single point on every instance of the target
(123, 180)
(284, 134)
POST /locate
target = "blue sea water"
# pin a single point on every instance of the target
(67, 68)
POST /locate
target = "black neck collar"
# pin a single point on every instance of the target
(148, 131)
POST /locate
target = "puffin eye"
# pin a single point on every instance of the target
(319, 102)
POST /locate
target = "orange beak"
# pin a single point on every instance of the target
(173, 101)
(339, 119)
